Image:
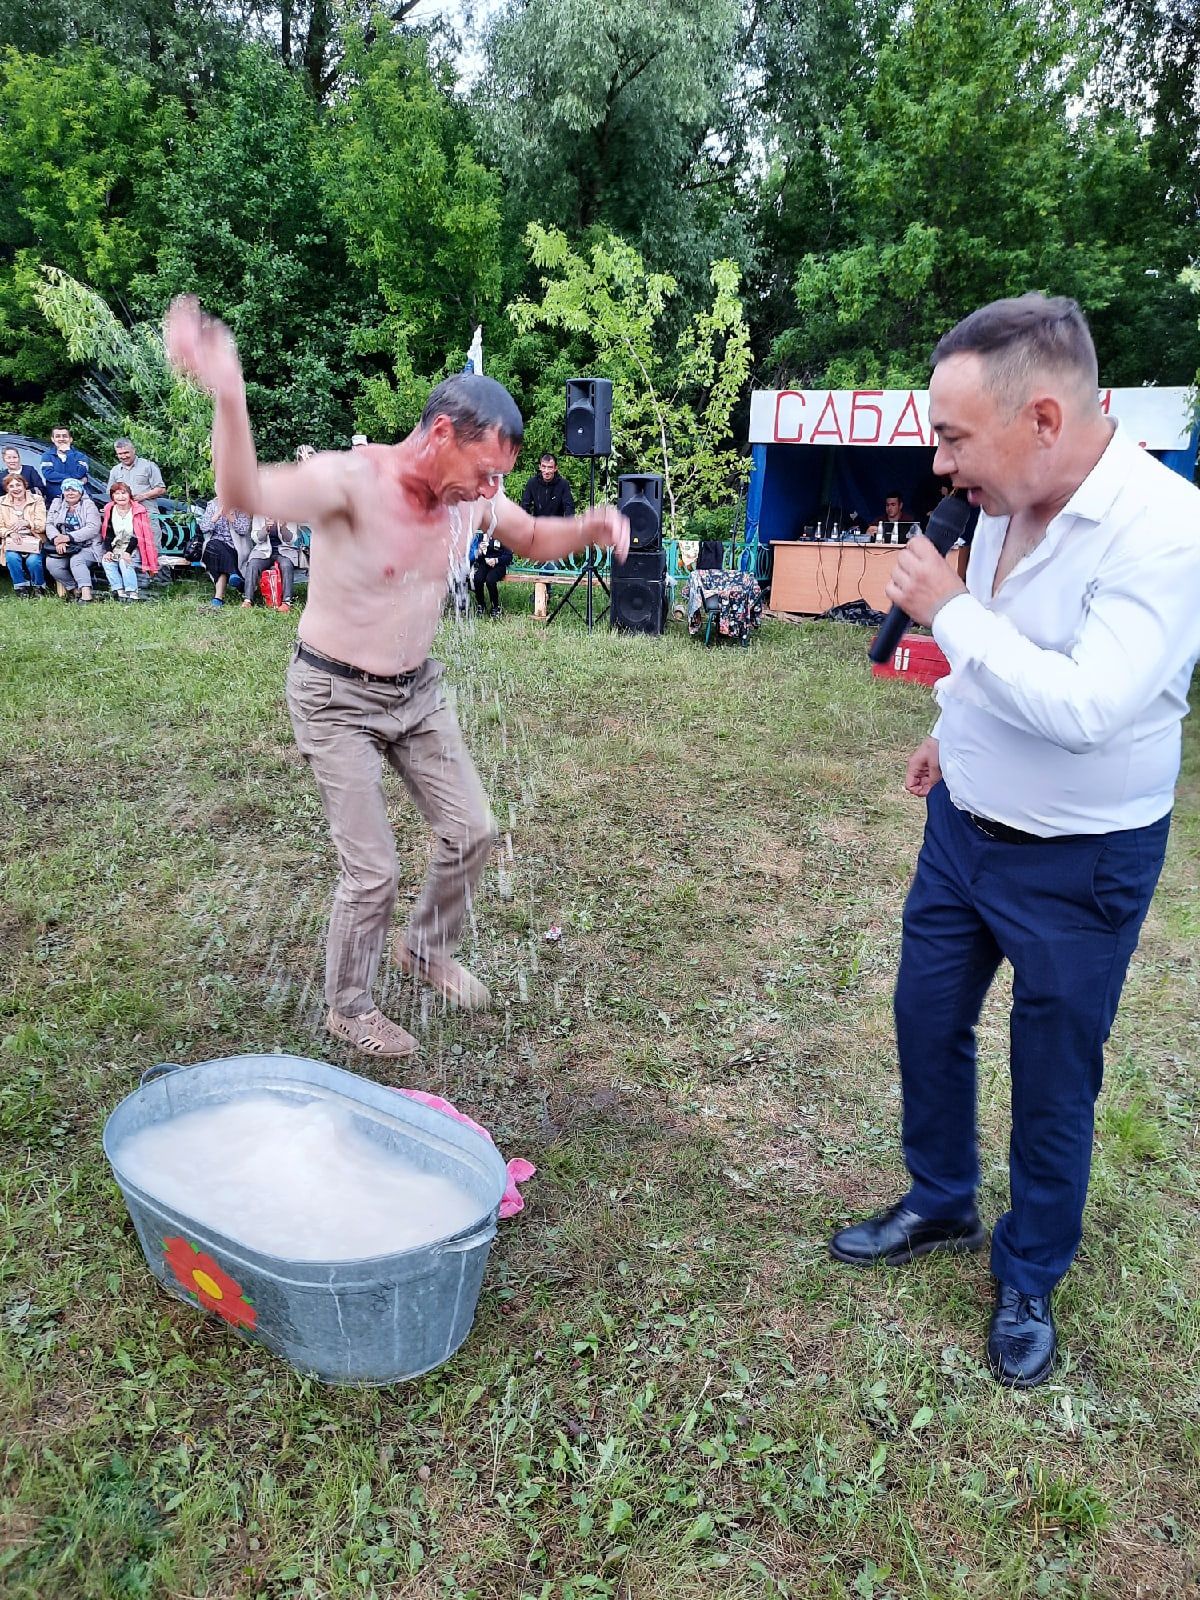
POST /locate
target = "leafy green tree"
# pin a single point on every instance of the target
(133, 389)
(74, 140)
(802, 65)
(421, 217)
(250, 234)
(179, 46)
(672, 402)
(971, 168)
(604, 114)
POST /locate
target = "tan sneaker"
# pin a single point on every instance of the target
(447, 976)
(372, 1033)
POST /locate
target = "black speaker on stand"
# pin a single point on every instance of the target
(587, 432)
(639, 586)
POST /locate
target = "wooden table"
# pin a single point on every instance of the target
(811, 575)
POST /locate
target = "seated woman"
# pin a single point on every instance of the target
(275, 545)
(127, 541)
(34, 481)
(226, 547)
(22, 527)
(72, 544)
(489, 564)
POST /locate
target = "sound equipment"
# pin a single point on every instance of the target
(946, 527)
(589, 417)
(640, 497)
(638, 600)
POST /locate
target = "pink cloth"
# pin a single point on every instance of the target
(518, 1171)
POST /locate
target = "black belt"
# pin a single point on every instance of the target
(1002, 833)
(343, 669)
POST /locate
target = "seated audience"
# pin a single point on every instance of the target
(127, 540)
(33, 478)
(22, 527)
(226, 547)
(61, 462)
(72, 544)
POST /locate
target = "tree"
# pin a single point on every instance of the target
(603, 115)
(133, 389)
(180, 47)
(421, 216)
(76, 137)
(802, 65)
(262, 252)
(972, 168)
(672, 405)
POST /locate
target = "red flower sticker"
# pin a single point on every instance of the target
(211, 1284)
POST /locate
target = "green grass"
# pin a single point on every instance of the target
(670, 1389)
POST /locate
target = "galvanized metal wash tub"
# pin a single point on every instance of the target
(373, 1321)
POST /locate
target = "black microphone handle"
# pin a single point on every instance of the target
(891, 630)
(946, 526)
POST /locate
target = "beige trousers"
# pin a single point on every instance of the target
(345, 730)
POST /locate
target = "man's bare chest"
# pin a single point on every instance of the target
(1020, 540)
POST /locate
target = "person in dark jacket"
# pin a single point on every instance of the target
(547, 494)
(489, 563)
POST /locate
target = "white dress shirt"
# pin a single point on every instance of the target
(1062, 710)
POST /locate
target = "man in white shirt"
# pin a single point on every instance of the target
(1049, 781)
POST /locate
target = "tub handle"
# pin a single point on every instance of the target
(159, 1070)
(473, 1241)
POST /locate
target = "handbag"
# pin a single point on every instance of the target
(193, 546)
(270, 586)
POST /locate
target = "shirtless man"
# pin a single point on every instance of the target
(388, 523)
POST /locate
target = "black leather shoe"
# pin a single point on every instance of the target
(899, 1235)
(1021, 1340)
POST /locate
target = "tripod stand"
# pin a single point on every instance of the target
(589, 569)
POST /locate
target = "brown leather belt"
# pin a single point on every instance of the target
(343, 669)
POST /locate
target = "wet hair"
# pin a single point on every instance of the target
(1019, 337)
(475, 404)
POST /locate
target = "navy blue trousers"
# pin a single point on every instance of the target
(1066, 913)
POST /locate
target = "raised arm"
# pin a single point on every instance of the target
(552, 538)
(313, 491)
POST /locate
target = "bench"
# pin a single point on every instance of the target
(174, 532)
(541, 582)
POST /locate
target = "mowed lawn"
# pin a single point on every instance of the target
(670, 1389)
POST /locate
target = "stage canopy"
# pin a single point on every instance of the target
(833, 452)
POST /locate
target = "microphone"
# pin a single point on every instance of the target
(946, 526)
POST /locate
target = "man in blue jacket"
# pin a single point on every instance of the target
(60, 463)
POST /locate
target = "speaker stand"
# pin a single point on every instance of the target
(589, 569)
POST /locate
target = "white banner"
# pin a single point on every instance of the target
(1158, 419)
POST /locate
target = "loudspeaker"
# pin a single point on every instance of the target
(639, 496)
(589, 417)
(639, 585)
